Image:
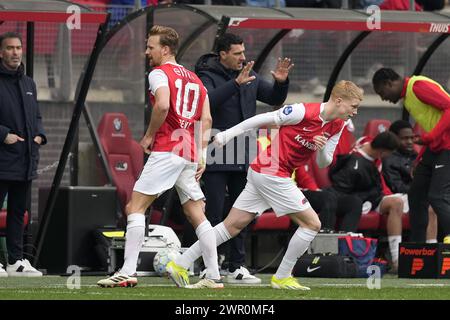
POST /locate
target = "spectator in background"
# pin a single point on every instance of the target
(399, 5)
(21, 135)
(363, 4)
(359, 173)
(398, 166)
(431, 5)
(429, 104)
(314, 3)
(233, 89)
(266, 3)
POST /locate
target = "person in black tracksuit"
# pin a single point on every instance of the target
(329, 204)
(397, 169)
(21, 135)
(360, 174)
(233, 89)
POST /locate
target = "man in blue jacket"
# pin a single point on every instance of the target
(21, 135)
(233, 89)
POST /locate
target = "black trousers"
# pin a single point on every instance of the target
(430, 185)
(332, 207)
(17, 205)
(217, 184)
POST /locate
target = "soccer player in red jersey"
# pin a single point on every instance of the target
(429, 104)
(305, 129)
(179, 101)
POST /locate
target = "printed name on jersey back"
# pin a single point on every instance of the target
(184, 124)
(182, 72)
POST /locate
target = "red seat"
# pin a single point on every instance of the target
(369, 221)
(269, 221)
(405, 222)
(123, 154)
(376, 126)
(125, 158)
(3, 215)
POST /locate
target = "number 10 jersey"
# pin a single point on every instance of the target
(187, 95)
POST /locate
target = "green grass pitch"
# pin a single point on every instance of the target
(159, 288)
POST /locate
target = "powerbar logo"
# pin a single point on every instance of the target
(445, 265)
(439, 27)
(417, 252)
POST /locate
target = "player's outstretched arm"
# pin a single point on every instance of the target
(287, 115)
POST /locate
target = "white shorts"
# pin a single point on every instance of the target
(264, 191)
(402, 196)
(163, 170)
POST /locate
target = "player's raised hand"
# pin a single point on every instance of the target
(320, 141)
(146, 143)
(244, 77)
(282, 69)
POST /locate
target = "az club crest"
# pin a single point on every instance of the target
(117, 124)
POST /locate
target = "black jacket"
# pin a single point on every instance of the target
(232, 104)
(397, 170)
(354, 174)
(19, 114)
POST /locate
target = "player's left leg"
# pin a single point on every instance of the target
(160, 173)
(392, 206)
(206, 236)
(309, 226)
(230, 227)
(432, 227)
(134, 238)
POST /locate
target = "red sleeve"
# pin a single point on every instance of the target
(305, 179)
(431, 94)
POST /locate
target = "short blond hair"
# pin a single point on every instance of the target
(167, 37)
(347, 90)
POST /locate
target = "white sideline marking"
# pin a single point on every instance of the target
(428, 284)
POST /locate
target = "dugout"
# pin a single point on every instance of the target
(326, 45)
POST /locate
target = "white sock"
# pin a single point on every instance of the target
(394, 241)
(207, 238)
(297, 247)
(133, 242)
(431, 241)
(194, 252)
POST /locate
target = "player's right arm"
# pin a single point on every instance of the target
(206, 123)
(287, 115)
(158, 85)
